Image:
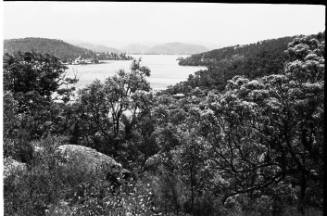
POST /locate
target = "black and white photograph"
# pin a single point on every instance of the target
(162, 109)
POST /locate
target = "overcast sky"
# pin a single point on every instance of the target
(120, 23)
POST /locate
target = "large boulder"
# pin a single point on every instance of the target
(12, 167)
(88, 160)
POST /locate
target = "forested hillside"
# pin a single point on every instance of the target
(259, 49)
(252, 60)
(65, 51)
(249, 145)
(58, 48)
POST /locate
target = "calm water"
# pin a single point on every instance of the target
(165, 70)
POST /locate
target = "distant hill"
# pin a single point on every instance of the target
(136, 49)
(61, 49)
(97, 47)
(174, 48)
(58, 48)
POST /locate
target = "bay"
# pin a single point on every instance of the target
(165, 70)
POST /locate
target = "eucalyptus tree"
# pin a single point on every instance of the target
(266, 134)
(109, 109)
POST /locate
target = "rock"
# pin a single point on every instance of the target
(12, 167)
(88, 160)
(62, 208)
(153, 161)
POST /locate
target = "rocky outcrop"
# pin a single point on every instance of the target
(12, 167)
(62, 208)
(153, 161)
(88, 160)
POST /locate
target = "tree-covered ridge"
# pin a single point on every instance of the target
(237, 51)
(253, 60)
(255, 148)
(65, 51)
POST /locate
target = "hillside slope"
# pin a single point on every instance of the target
(252, 60)
(260, 48)
(58, 48)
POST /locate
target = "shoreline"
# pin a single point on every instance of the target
(100, 62)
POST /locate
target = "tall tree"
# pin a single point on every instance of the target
(108, 109)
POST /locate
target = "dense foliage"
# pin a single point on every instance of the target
(32, 84)
(253, 148)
